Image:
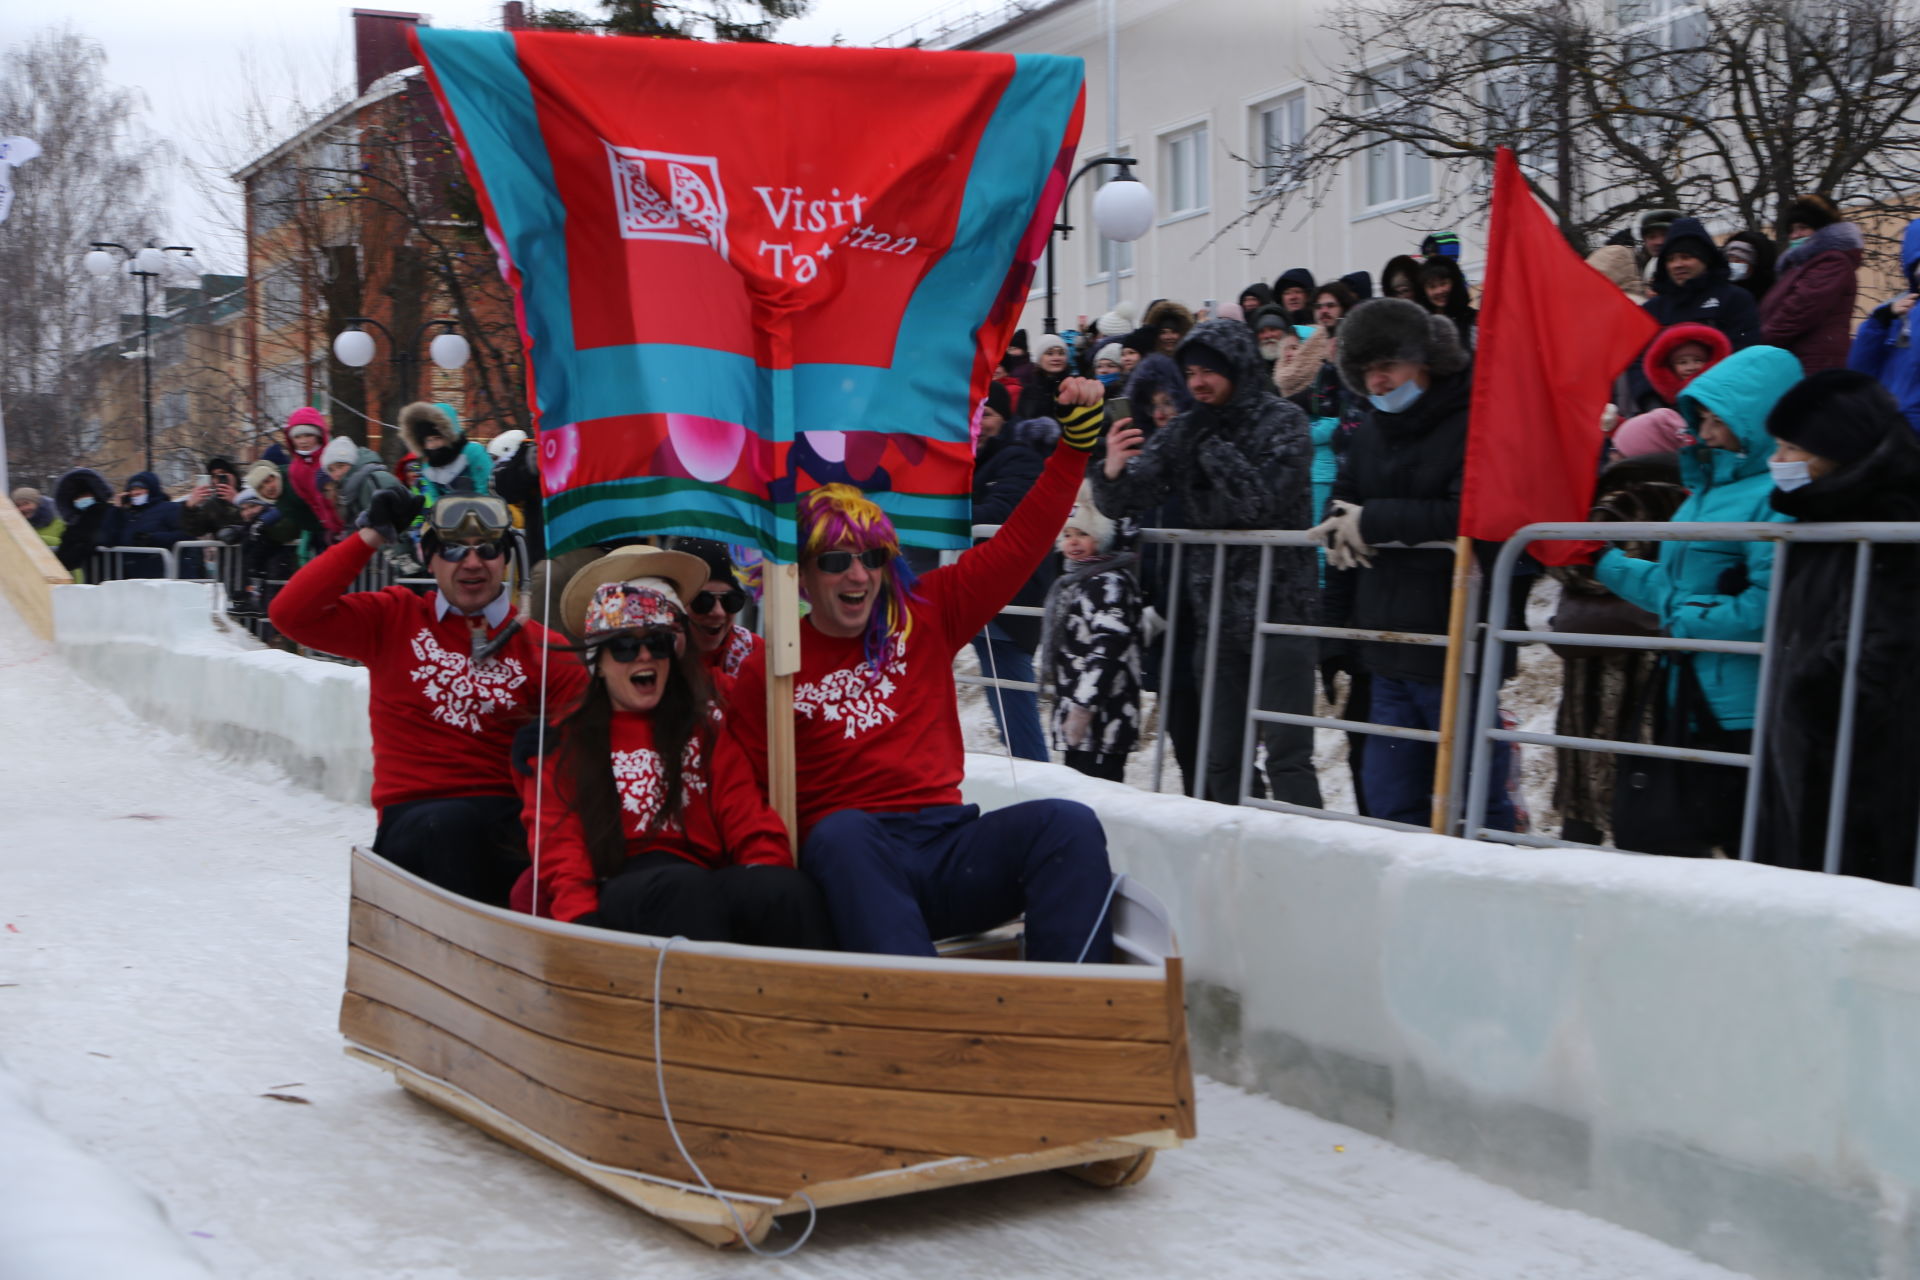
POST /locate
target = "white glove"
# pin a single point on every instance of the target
(1079, 722)
(1340, 534)
(1151, 625)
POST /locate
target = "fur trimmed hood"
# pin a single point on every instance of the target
(420, 417)
(1671, 339)
(1395, 329)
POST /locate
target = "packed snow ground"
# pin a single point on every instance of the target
(171, 955)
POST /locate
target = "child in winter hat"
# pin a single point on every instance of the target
(1090, 646)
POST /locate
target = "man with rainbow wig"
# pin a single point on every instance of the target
(877, 731)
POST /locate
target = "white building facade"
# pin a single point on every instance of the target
(1191, 88)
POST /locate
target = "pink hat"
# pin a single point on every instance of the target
(1659, 431)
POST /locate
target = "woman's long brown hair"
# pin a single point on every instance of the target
(585, 763)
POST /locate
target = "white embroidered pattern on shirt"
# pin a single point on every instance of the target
(642, 783)
(462, 694)
(851, 696)
(739, 649)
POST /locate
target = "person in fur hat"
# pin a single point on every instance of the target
(1090, 647)
(1399, 487)
(1171, 322)
(1239, 459)
(449, 462)
(1810, 308)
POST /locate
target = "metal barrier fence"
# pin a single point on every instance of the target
(1179, 541)
(1864, 536)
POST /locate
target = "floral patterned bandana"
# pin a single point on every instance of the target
(640, 605)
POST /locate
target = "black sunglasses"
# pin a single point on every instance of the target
(841, 561)
(733, 601)
(626, 648)
(455, 552)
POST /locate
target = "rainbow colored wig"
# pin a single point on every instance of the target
(838, 517)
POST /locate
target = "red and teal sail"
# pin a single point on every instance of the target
(747, 270)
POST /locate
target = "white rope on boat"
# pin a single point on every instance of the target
(673, 1130)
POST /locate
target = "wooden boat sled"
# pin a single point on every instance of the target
(789, 1074)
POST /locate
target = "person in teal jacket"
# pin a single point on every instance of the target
(449, 462)
(1707, 591)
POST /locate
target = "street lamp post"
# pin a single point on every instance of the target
(144, 264)
(353, 346)
(1122, 211)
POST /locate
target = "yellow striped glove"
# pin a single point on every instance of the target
(1080, 424)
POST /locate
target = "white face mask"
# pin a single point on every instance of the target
(139, 499)
(1738, 270)
(1788, 476)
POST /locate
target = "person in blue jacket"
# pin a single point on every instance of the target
(449, 462)
(1883, 348)
(143, 516)
(1706, 591)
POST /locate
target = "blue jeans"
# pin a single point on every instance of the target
(894, 882)
(1398, 773)
(1015, 711)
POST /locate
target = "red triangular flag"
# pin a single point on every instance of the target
(1554, 333)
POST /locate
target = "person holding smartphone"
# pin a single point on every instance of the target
(451, 676)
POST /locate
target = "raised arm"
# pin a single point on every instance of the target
(969, 592)
(316, 609)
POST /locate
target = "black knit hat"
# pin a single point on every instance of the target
(1200, 354)
(998, 400)
(1812, 212)
(719, 560)
(1837, 414)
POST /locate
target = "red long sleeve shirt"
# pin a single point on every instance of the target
(724, 819)
(893, 743)
(441, 725)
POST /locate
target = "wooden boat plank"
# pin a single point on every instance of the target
(1182, 1073)
(879, 1057)
(698, 1214)
(1105, 1002)
(946, 1123)
(1134, 1152)
(737, 1161)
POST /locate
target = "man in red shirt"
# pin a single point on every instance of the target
(451, 675)
(877, 732)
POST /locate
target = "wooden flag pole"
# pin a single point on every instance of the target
(1450, 691)
(781, 601)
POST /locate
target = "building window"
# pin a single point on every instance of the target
(1663, 44)
(1109, 256)
(1279, 141)
(282, 390)
(1395, 172)
(281, 297)
(1183, 163)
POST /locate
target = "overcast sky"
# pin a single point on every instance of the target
(199, 61)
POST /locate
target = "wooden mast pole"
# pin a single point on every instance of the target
(780, 599)
(1450, 690)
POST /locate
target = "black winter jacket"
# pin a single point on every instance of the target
(1710, 298)
(1809, 666)
(1404, 471)
(157, 524)
(1003, 471)
(84, 528)
(1243, 465)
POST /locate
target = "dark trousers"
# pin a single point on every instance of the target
(1399, 771)
(1015, 711)
(1681, 807)
(1113, 768)
(1286, 684)
(896, 881)
(663, 894)
(471, 845)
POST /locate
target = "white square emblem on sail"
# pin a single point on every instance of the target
(692, 208)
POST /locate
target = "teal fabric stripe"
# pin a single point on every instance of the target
(492, 104)
(927, 388)
(657, 505)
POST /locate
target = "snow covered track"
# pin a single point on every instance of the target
(171, 957)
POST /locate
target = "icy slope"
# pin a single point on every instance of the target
(171, 950)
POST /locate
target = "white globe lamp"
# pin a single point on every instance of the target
(354, 348)
(1123, 209)
(149, 261)
(449, 351)
(99, 263)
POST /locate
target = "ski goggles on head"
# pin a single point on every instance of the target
(841, 561)
(455, 552)
(465, 518)
(732, 600)
(627, 646)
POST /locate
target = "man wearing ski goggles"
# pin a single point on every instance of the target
(451, 676)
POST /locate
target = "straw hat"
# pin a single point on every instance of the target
(687, 573)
